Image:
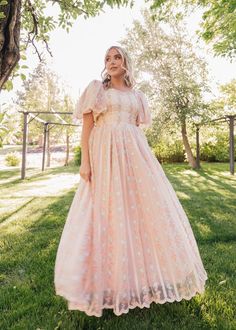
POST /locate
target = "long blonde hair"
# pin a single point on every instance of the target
(127, 66)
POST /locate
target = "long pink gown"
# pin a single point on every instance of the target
(127, 241)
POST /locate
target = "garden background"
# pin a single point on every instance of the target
(184, 61)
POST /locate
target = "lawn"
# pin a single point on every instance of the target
(32, 216)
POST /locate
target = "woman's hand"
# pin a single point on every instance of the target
(85, 171)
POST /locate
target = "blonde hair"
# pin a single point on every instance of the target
(127, 66)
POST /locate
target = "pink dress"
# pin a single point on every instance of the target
(127, 241)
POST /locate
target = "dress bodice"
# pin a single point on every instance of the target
(112, 106)
(122, 107)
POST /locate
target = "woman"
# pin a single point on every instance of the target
(127, 241)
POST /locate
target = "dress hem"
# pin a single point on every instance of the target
(125, 311)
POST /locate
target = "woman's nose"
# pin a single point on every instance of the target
(112, 61)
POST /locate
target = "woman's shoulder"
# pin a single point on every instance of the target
(95, 83)
(141, 94)
(139, 91)
(93, 88)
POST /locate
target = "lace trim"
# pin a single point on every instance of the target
(122, 303)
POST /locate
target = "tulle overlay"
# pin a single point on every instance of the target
(127, 241)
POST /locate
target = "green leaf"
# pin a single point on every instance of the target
(23, 76)
(2, 15)
(8, 85)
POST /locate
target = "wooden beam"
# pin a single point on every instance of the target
(49, 112)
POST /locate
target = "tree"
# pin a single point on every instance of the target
(41, 92)
(68, 106)
(225, 104)
(26, 22)
(229, 96)
(9, 124)
(218, 25)
(176, 75)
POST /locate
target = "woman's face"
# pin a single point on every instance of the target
(114, 63)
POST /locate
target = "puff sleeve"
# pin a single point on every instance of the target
(91, 100)
(144, 113)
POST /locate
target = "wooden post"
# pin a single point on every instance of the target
(197, 147)
(231, 143)
(24, 145)
(67, 147)
(48, 147)
(44, 144)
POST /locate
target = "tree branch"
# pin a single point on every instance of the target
(68, 6)
(35, 30)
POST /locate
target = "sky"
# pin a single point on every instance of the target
(78, 57)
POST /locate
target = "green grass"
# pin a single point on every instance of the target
(32, 216)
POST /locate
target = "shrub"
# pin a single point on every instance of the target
(12, 159)
(216, 150)
(77, 155)
(169, 152)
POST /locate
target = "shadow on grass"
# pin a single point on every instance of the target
(7, 216)
(6, 174)
(209, 176)
(28, 297)
(28, 300)
(35, 175)
(209, 202)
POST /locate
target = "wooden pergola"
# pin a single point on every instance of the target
(48, 125)
(230, 119)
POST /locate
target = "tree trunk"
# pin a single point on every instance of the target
(67, 148)
(9, 39)
(190, 157)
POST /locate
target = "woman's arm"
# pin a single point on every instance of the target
(85, 168)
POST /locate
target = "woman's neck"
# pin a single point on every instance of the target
(118, 83)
